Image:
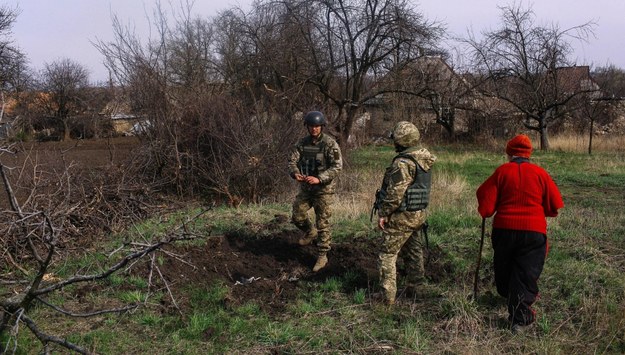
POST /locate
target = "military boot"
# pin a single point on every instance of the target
(308, 237)
(322, 261)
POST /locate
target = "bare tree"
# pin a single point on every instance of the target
(63, 82)
(433, 85)
(611, 80)
(520, 63)
(341, 49)
(14, 74)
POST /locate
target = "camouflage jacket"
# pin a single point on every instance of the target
(400, 175)
(321, 158)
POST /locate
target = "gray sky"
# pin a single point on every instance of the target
(48, 30)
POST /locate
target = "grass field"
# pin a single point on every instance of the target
(581, 309)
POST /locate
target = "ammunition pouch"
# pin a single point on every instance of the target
(309, 167)
(312, 161)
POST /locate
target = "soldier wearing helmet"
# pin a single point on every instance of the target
(401, 203)
(314, 163)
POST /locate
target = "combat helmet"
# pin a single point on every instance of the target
(314, 118)
(405, 134)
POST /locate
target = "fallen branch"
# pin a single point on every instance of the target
(45, 338)
(86, 315)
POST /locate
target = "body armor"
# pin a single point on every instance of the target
(417, 195)
(312, 160)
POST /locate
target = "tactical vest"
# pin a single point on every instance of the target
(312, 160)
(417, 195)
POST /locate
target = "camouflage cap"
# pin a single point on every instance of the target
(405, 134)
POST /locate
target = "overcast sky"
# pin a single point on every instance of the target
(48, 30)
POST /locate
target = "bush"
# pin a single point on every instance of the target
(218, 146)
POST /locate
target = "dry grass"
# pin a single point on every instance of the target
(579, 144)
(357, 192)
(449, 190)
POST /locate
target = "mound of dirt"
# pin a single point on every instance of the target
(271, 270)
(267, 269)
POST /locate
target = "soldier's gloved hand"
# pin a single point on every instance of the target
(381, 222)
(312, 180)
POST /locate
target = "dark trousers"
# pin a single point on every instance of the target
(519, 257)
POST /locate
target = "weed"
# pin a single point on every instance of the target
(359, 296)
(249, 309)
(302, 308)
(413, 335)
(149, 319)
(544, 325)
(460, 312)
(277, 333)
(134, 296)
(332, 284)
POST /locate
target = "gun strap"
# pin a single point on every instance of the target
(424, 228)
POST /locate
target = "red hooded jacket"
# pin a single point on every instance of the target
(522, 194)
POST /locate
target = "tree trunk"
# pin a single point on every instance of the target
(66, 135)
(592, 128)
(544, 138)
(346, 122)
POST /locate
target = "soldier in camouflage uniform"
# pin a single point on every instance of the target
(401, 203)
(315, 162)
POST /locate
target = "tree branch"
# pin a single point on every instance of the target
(45, 338)
(85, 315)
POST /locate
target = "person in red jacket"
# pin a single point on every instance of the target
(520, 195)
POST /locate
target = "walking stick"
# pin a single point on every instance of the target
(479, 260)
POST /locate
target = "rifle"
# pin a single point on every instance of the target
(376, 204)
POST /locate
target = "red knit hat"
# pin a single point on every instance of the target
(519, 146)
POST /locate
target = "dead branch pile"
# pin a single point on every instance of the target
(52, 214)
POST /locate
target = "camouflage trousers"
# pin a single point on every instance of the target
(401, 234)
(321, 204)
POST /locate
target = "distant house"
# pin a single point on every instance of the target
(577, 79)
(437, 96)
(123, 121)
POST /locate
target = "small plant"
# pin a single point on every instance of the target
(461, 312)
(414, 336)
(249, 309)
(360, 296)
(301, 308)
(317, 299)
(200, 323)
(134, 296)
(277, 333)
(544, 325)
(138, 282)
(149, 319)
(21, 136)
(332, 284)
(214, 295)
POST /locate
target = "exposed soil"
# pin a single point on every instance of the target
(88, 153)
(21, 159)
(271, 270)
